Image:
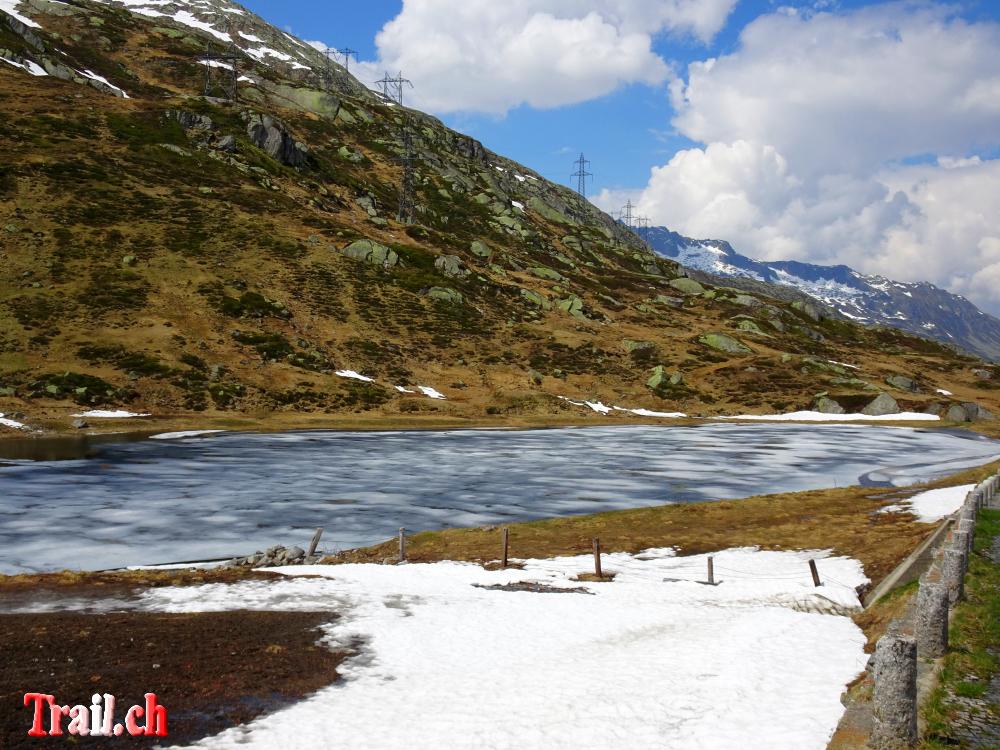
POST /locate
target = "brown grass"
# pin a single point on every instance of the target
(844, 520)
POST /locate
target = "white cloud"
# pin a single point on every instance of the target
(808, 127)
(488, 56)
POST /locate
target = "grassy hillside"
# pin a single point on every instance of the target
(176, 254)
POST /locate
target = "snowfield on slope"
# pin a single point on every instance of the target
(641, 662)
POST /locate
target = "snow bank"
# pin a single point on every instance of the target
(933, 505)
(183, 434)
(431, 392)
(639, 662)
(648, 413)
(815, 416)
(101, 414)
(12, 424)
(354, 376)
(10, 7)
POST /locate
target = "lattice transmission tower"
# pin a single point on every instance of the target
(581, 174)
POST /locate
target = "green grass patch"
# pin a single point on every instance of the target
(974, 655)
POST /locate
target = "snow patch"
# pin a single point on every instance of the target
(933, 505)
(354, 376)
(679, 664)
(943, 392)
(102, 414)
(12, 424)
(431, 392)
(9, 7)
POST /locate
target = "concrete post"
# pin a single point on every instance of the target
(932, 620)
(963, 543)
(894, 701)
(953, 574)
(967, 526)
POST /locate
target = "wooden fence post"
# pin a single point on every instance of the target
(815, 573)
(402, 544)
(505, 535)
(315, 542)
(597, 558)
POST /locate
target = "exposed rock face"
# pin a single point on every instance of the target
(190, 120)
(955, 413)
(371, 252)
(535, 299)
(881, 406)
(272, 136)
(810, 311)
(724, 343)
(982, 374)
(903, 383)
(630, 345)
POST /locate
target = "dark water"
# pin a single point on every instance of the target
(156, 501)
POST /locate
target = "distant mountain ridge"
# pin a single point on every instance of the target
(920, 308)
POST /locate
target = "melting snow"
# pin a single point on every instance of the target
(101, 414)
(431, 392)
(28, 66)
(354, 375)
(653, 659)
(932, 506)
(9, 7)
(401, 389)
(518, 205)
(11, 423)
(94, 77)
(943, 392)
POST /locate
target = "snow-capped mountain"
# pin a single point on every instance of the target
(919, 308)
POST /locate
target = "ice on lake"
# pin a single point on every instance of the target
(212, 496)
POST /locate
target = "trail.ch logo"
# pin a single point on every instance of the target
(96, 720)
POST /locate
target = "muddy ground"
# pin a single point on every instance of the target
(212, 671)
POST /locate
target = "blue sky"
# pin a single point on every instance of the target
(623, 133)
(831, 131)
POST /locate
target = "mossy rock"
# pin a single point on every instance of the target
(687, 286)
(445, 294)
(572, 305)
(547, 273)
(480, 249)
(724, 343)
(371, 252)
(631, 345)
(536, 299)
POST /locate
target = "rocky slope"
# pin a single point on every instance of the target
(173, 253)
(919, 308)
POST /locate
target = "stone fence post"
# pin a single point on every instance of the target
(895, 693)
(932, 620)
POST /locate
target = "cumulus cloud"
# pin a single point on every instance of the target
(808, 133)
(488, 56)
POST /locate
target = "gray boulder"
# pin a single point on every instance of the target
(982, 374)
(826, 405)
(883, 405)
(976, 413)
(272, 136)
(808, 309)
(956, 413)
(903, 383)
(451, 266)
(480, 249)
(372, 252)
(687, 286)
(724, 343)
(444, 294)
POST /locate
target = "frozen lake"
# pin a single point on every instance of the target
(195, 498)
